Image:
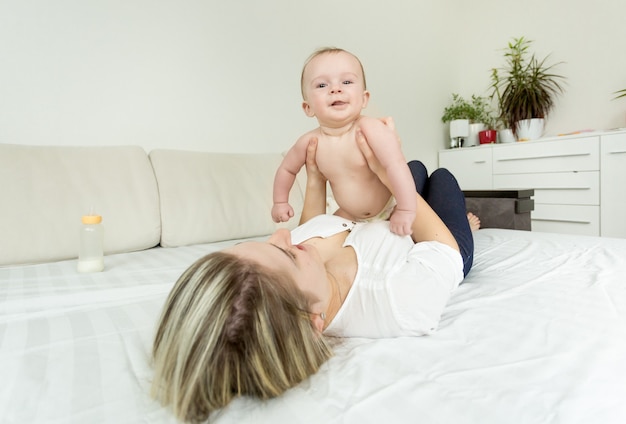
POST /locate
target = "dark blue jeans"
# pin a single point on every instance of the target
(442, 192)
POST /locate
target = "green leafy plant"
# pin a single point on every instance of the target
(525, 87)
(478, 109)
(620, 93)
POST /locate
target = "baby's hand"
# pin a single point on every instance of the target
(401, 221)
(282, 212)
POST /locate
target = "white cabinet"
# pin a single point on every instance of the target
(613, 179)
(566, 178)
(576, 179)
(472, 170)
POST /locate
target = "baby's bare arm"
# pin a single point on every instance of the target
(426, 225)
(284, 179)
(384, 144)
(289, 167)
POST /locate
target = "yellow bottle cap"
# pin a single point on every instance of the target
(92, 219)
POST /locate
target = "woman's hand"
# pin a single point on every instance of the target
(372, 161)
(315, 196)
(313, 173)
(392, 126)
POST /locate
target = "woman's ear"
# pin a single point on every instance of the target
(318, 322)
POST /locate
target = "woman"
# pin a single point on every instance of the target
(252, 319)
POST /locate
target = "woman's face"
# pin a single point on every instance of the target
(301, 262)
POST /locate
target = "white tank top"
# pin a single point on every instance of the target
(400, 288)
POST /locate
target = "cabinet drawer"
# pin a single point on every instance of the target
(568, 219)
(614, 144)
(581, 154)
(612, 198)
(470, 166)
(567, 188)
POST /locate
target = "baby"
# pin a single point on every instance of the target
(334, 92)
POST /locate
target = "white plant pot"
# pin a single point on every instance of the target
(529, 129)
(472, 138)
(459, 130)
(506, 136)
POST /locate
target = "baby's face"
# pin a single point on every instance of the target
(334, 89)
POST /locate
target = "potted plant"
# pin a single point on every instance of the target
(492, 124)
(525, 89)
(467, 118)
(620, 93)
(487, 136)
(505, 133)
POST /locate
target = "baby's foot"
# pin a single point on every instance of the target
(474, 221)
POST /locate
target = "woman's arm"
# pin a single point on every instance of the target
(427, 225)
(315, 195)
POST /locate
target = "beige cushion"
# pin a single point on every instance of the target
(44, 191)
(209, 197)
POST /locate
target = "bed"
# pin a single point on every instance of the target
(536, 334)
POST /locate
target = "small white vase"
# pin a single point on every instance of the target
(506, 136)
(459, 129)
(472, 138)
(529, 129)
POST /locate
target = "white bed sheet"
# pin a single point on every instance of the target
(536, 334)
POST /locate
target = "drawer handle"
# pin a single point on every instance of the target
(543, 157)
(480, 161)
(563, 188)
(616, 152)
(573, 221)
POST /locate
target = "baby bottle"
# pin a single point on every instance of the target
(91, 254)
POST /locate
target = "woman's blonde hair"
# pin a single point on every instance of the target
(229, 328)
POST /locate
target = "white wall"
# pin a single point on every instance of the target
(588, 37)
(224, 76)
